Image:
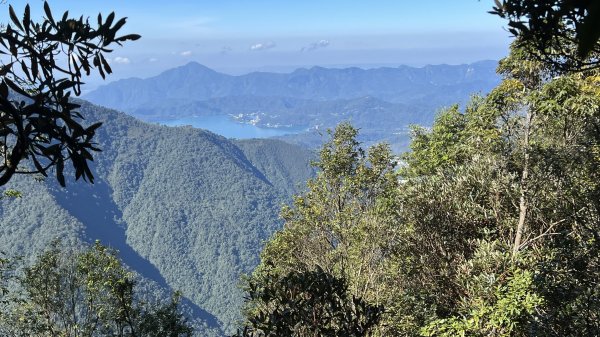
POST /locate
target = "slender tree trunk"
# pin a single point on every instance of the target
(523, 204)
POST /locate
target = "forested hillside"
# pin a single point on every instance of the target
(187, 209)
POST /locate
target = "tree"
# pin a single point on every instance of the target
(311, 303)
(84, 293)
(562, 33)
(489, 229)
(40, 127)
(344, 222)
(506, 213)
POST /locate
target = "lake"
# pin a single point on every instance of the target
(224, 126)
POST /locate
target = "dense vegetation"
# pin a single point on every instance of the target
(489, 228)
(163, 197)
(562, 34)
(186, 209)
(70, 292)
(308, 303)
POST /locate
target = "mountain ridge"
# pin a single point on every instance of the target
(199, 82)
(186, 208)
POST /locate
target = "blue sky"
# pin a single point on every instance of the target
(240, 36)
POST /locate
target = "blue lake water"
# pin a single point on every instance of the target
(224, 126)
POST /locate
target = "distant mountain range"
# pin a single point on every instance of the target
(187, 209)
(382, 102)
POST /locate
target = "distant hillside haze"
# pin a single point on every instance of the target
(197, 82)
(187, 209)
(382, 102)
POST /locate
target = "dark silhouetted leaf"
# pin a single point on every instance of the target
(27, 18)
(590, 30)
(60, 166)
(48, 12)
(3, 90)
(14, 17)
(131, 37)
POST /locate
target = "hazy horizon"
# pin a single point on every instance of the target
(266, 35)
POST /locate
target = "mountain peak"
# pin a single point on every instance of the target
(196, 67)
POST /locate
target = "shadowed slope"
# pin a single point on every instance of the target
(186, 208)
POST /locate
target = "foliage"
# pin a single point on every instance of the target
(513, 211)
(165, 321)
(342, 205)
(311, 303)
(489, 229)
(341, 224)
(6, 269)
(193, 223)
(10, 193)
(563, 33)
(84, 293)
(44, 64)
(500, 309)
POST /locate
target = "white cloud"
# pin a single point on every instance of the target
(316, 45)
(121, 60)
(186, 53)
(262, 46)
(152, 59)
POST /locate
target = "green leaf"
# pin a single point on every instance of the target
(38, 166)
(92, 128)
(16, 88)
(106, 65)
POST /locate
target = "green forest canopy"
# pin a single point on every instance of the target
(490, 228)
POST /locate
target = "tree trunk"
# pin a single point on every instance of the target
(523, 204)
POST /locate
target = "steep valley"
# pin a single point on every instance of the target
(187, 209)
